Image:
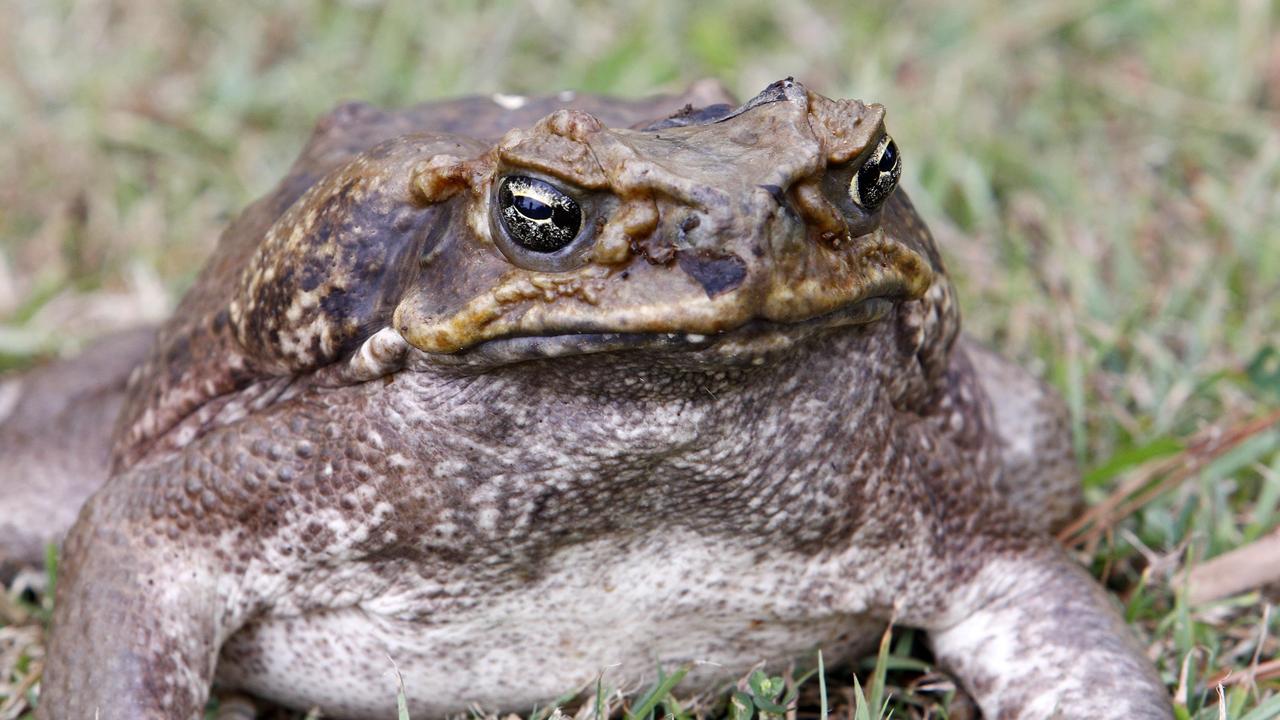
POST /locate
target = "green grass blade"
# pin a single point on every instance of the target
(876, 698)
(822, 688)
(659, 691)
(600, 696)
(861, 710)
(1132, 457)
(1267, 710)
(51, 568)
(402, 700)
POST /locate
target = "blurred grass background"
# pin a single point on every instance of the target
(1104, 178)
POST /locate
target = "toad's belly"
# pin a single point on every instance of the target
(684, 601)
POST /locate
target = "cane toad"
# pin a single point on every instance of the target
(511, 391)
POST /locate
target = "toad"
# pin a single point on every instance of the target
(514, 390)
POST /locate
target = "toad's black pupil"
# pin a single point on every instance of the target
(869, 176)
(889, 157)
(532, 208)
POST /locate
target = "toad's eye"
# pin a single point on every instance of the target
(536, 215)
(877, 177)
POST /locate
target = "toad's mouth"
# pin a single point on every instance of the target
(747, 344)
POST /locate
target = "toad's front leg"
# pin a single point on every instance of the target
(173, 556)
(138, 619)
(1037, 638)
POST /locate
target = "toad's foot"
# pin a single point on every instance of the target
(1043, 641)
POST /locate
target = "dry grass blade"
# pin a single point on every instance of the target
(1269, 670)
(1137, 491)
(1244, 568)
(17, 641)
(16, 705)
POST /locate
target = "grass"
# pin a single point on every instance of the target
(1102, 177)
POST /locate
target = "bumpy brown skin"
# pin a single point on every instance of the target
(736, 424)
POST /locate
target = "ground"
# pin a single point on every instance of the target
(1102, 177)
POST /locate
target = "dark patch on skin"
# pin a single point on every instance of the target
(313, 276)
(688, 115)
(178, 356)
(776, 193)
(717, 274)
